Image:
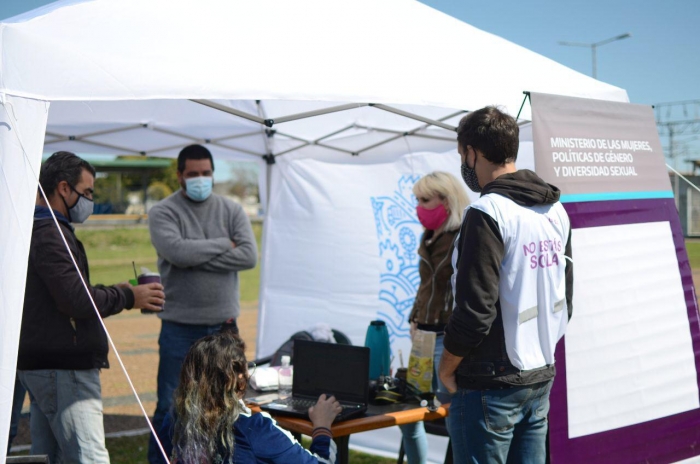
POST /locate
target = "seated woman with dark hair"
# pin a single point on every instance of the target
(210, 424)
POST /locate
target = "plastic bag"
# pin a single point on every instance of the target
(420, 363)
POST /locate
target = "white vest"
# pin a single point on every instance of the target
(532, 287)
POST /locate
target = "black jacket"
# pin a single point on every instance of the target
(59, 327)
(475, 330)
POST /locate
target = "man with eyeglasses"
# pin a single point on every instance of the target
(62, 345)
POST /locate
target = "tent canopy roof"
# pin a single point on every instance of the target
(123, 75)
(393, 51)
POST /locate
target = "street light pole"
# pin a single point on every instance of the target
(594, 48)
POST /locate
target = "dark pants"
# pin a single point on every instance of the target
(500, 426)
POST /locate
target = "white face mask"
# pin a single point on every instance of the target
(81, 210)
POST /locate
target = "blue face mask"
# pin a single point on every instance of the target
(198, 188)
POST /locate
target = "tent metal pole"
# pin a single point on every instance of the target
(236, 136)
(293, 137)
(310, 114)
(411, 133)
(171, 147)
(205, 141)
(434, 137)
(268, 183)
(331, 147)
(307, 144)
(289, 150)
(390, 139)
(183, 145)
(63, 138)
(229, 110)
(177, 134)
(123, 150)
(406, 114)
(335, 133)
(527, 96)
(242, 150)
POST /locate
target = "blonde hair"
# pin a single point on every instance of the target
(447, 187)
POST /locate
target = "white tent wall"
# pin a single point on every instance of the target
(22, 126)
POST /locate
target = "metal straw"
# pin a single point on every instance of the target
(136, 275)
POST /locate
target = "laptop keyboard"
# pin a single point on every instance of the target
(301, 403)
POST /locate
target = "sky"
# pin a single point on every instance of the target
(659, 63)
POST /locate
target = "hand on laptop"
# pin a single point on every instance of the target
(323, 413)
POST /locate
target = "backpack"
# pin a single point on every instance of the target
(287, 348)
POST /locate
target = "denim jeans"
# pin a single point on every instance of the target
(175, 341)
(66, 415)
(17, 402)
(415, 441)
(500, 426)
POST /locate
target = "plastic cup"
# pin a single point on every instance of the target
(149, 279)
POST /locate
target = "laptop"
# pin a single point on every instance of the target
(333, 369)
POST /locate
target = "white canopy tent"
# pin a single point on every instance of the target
(252, 80)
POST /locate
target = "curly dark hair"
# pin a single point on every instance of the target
(212, 379)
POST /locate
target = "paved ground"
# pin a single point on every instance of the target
(136, 338)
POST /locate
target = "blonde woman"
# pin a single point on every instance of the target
(441, 202)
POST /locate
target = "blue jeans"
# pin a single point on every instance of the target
(66, 415)
(17, 402)
(415, 441)
(175, 341)
(500, 426)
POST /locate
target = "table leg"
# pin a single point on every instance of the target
(342, 443)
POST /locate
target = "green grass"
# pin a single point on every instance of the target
(111, 252)
(693, 248)
(128, 450)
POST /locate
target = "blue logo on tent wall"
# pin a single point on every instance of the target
(398, 233)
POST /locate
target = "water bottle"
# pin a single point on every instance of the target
(284, 376)
(377, 340)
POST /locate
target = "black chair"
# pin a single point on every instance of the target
(35, 459)
(434, 427)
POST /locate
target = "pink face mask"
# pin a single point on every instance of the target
(432, 219)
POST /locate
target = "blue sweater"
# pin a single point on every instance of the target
(260, 440)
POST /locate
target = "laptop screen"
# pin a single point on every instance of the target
(340, 370)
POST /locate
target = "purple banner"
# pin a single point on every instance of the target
(665, 440)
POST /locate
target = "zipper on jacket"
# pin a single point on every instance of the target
(432, 288)
(432, 283)
(449, 284)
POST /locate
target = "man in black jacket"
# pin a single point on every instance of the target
(513, 287)
(62, 345)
